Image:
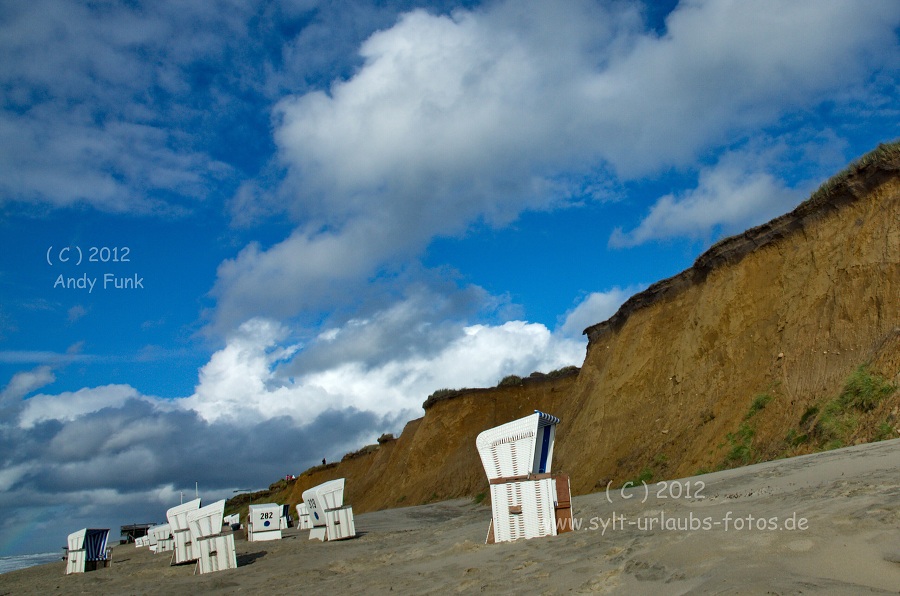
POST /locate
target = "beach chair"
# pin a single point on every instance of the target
(181, 534)
(213, 548)
(329, 518)
(87, 550)
(527, 501)
(264, 522)
(303, 517)
(233, 520)
(161, 539)
(286, 520)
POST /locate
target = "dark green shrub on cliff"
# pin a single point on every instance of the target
(510, 381)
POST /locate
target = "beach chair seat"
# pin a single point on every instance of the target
(527, 500)
(213, 548)
(87, 550)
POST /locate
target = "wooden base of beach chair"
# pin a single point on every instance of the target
(216, 553)
(339, 523)
(182, 553)
(563, 506)
(529, 506)
(75, 561)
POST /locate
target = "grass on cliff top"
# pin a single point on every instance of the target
(886, 155)
(883, 155)
(507, 381)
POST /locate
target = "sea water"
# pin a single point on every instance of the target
(22, 561)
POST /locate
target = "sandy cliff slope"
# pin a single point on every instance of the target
(765, 348)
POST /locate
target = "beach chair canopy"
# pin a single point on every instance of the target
(264, 516)
(76, 539)
(92, 541)
(328, 495)
(518, 448)
(160, 532)
(177, 515)
(206, 521)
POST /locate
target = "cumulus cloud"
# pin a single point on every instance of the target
(128, 460)
(479, 115)
(236, 382)
(73, 404)
(360, 365)
(596, 308)
(723, 68)
(123, 105)
(727, 199)
(89, 98)
(25, 382)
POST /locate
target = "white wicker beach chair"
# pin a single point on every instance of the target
(303, 517)
(161, 539)
(329, 518)
(87, 550)
(264, 522)
(527, 501)
(181, 534)
(214, 548)
(233, 520)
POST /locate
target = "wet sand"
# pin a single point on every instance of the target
(827, 523)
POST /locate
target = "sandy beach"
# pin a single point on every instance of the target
(827, 523)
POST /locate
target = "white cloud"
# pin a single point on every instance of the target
(97, 103)
(23, 383)
(9, 475)
(479, 357)
(386, 363)
(70, 405)
(305, 271)
(76, 312)
(724, 68)
(483, 114)
(596, 308)
(727, 198)
(236, 382)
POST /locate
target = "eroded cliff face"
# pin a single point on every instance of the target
(817, 296)
(730, 362)
(434, 458)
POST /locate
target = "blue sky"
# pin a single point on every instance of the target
(335, 208)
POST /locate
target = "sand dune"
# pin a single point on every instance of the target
(825, 523)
